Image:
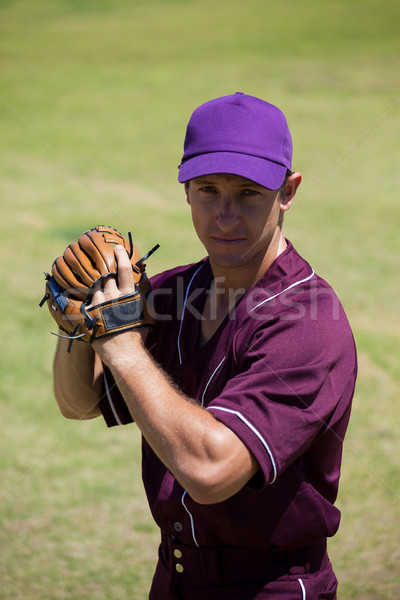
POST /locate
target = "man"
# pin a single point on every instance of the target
(242, 390)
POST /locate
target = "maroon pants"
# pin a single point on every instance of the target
(188, 573)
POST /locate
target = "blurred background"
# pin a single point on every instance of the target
(94, 100)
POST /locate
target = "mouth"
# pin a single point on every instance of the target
(227, 241)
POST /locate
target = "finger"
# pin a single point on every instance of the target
(103, 290)
(110, 287)
(96, 295)
(126, 282)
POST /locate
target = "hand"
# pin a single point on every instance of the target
(119, 344)
(111, 288)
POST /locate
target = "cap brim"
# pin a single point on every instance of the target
(264, 172)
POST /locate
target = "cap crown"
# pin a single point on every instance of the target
(239, 124)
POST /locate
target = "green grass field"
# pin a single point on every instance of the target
(94, 100)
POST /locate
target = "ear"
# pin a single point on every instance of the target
(292, 183)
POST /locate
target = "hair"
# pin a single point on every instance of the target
(282, 193)
(282, 189)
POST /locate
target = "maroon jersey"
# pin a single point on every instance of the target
(280, 372)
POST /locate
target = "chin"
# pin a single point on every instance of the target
(227, 262)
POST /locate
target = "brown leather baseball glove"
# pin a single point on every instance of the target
(70, 286)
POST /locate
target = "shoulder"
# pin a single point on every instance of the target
(291, 288)
(292, 312)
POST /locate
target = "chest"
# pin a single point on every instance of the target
(209, 326)
(198, 355)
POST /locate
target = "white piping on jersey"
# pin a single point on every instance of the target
(283, 291)
(183, 312)
(254, 430)
(111, 403)
(303, 589)
(190, 516)
(209, 381)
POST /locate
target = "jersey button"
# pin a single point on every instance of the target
(177, 526)
(177, 553)
(179, 568)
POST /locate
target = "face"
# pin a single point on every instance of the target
(236, 219)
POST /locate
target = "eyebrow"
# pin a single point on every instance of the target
(249, 183)
(203, 180)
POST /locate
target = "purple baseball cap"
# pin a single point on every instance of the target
(240, 135)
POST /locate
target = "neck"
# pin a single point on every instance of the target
(230, 281)
(228, 286)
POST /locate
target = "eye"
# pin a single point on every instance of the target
(207, 189)
(248, 192)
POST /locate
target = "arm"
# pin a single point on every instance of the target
(77, 380)
(205, 456)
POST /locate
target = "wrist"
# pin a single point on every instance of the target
(121, 350)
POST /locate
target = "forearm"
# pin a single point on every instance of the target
(77, 377)
(207, 458)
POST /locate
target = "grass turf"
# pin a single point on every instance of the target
(94, 100)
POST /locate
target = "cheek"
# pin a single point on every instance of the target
(264, 224)
(199, 220)
(271, 217)
(201, 212)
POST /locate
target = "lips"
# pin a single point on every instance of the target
(227, 240)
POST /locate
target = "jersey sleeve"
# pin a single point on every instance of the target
(295, 382)
(112, 405)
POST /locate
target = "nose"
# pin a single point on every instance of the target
(227, 215)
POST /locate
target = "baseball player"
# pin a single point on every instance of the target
(241, 388)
